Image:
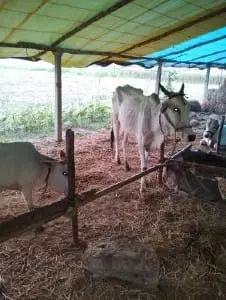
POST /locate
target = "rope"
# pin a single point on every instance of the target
(175, 130)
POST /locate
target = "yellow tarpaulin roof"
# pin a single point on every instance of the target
(91, 31)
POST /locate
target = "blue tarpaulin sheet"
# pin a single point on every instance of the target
(207, 49)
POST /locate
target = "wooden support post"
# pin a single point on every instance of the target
(71, 182)
(161, 160)
(220, 134)
(161, 153)
(58, 97)
(158, 77)
(206, 83)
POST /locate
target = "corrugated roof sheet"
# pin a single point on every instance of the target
(107, 31)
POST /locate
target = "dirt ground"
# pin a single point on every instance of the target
(189, 235)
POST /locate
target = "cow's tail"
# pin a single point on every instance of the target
(116, 100)
(112, 138)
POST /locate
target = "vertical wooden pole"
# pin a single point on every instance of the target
(158, 77)
(161, 160)
(58, 97)
(162, 147)
(71, 181)
(206, 83)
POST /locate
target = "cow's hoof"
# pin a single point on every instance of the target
(148, 184)
(118, 161)
(40, 229)
(143, 190)
(127, 167)
(144, 195)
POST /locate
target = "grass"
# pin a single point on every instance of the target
(186, 75)
(26, 97)
(39, 120)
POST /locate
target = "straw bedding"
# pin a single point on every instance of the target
(188, 235)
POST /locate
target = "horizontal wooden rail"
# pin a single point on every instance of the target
(22, 223)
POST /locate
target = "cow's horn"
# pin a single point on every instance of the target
(182, 89)
(167, 93)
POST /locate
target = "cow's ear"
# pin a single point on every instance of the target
(164, 107)
(63, 155)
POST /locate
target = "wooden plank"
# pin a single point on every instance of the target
(27, 221)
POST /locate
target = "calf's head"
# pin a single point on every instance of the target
(212, 126)
(57, 177)
(176, 111)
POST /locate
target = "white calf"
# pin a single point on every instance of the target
(23, 167)
(210, 134)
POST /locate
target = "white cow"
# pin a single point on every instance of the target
(23, 168)
(148, 120)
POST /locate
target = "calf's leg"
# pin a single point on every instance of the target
(144, 163)
(116, 128)
(27, 193)
(125, 140)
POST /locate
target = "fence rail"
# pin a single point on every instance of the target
(31, 220)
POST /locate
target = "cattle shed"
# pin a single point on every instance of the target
(84, 32)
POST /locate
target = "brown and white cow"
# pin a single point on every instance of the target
(23, 168)
(148, 120)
